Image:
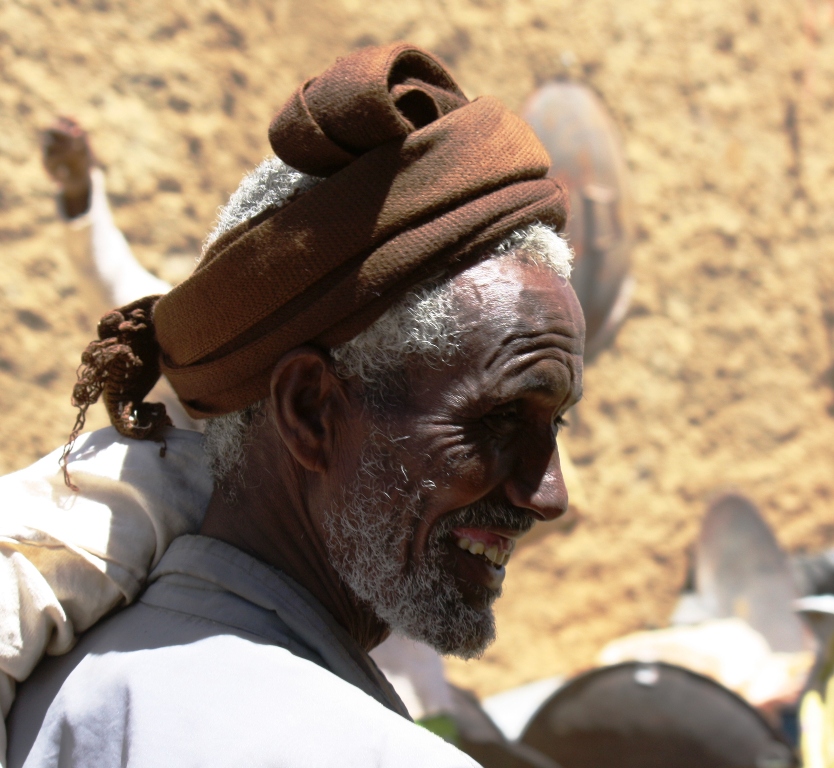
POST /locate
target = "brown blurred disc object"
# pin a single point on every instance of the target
(585, 153)
(653, 715)
(742, 571)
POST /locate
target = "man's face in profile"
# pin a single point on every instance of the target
(449, 477)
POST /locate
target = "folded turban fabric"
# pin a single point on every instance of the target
(418, 179)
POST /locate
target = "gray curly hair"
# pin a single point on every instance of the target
(420, 325)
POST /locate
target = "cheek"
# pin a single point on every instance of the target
(460, 468)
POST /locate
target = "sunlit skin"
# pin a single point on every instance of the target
(482, 428)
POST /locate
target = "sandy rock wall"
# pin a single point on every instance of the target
(722, 376)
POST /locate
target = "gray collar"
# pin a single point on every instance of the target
(229, 569)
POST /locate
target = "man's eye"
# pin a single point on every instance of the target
(559, 422)
(503, 420)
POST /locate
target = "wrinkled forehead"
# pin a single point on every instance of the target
(512, 296)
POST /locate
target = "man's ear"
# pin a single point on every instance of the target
(307, 400)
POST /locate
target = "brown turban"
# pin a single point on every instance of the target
(418, 178)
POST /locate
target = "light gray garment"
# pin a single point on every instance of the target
(223, 661)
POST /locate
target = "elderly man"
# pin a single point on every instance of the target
(383, 341)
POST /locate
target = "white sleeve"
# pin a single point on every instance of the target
(116, 267)
(68, 558)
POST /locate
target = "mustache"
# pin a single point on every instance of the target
(488, 514)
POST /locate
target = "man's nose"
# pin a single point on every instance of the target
(536, 482)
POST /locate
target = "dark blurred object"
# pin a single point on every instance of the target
(639, 715)
(585, 153)
(814, 574)
(481, 739)
(67, 158)
(741, 571)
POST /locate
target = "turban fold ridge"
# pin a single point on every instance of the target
(417, 179)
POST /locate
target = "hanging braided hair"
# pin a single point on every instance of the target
(122, 365)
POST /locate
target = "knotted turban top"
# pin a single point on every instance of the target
(417, 179)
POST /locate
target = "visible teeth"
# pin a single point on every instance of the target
(479, 548)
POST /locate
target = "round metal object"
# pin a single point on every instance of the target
(585, 154)
(639, 715)
(742, 571)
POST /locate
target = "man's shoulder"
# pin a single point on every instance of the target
(103, 669)
(218, 700)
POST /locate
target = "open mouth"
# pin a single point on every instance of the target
(492, 546)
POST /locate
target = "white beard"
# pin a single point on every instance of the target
(366, 535)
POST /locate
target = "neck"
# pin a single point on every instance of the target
(274, 522)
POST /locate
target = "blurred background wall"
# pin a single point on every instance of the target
(723, 375)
